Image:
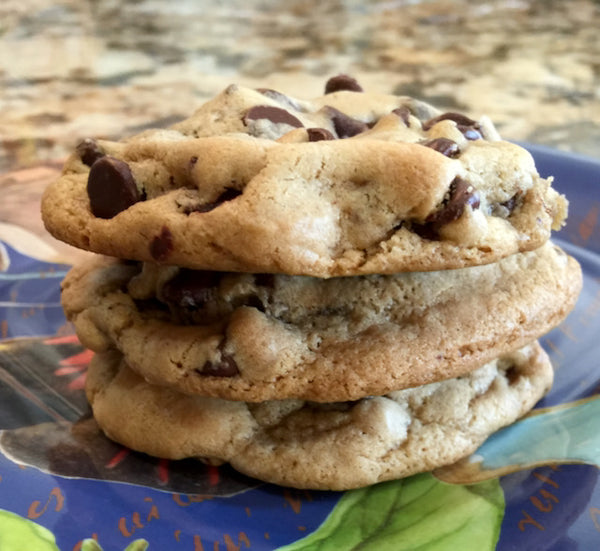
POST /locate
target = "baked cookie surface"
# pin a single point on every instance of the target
(256, 337)
(322, 446)
(346, 184)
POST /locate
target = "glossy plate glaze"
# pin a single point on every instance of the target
(533, 485)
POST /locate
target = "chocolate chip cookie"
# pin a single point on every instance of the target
(349, 183)
(335, 446)
(256, 337)
(325, 293)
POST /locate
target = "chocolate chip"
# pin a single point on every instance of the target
(404, 113)
(224, 367)
(274, 114)
(471, 133)
(190, 288)
(445, 146)
(460, 194)
(504, 210)
(512, 375)
(458, 118)
(345, 126)
(280, 98)
(111, 187)
(162, 245)
(227, 195)
(89, 151)
(319, 134)
(342, 82)
(511, 204)
(426, 231)
(423, 111)
(467, 126)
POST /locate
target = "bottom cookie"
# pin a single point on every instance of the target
(335, 446)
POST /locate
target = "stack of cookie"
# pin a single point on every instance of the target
(325, 294)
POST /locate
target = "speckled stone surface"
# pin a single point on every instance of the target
(70, 69)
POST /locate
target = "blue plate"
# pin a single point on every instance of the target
(56, 469)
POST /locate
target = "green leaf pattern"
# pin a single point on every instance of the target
(417, 513)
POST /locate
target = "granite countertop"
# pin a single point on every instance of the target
(70, 69)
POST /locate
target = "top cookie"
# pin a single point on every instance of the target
(346, 184)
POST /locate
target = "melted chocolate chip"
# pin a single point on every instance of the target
(404, 113)
(460, 195)
(467, 126)
(227, 195)
(162, 245)
(190, 288)
(345, 126)
(274, 114)
(224, 367)
(445, 146)
(89, 151)
(319, 134)
(111, 187)
(342, 82)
